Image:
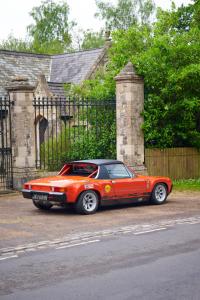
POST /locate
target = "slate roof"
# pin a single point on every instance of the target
(58, 69)
(73, 67)
(56, 89)
(14, 64)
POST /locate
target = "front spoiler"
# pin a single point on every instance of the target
(51, 196)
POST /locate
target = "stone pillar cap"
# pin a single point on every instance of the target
(19, 83)
(128, 73)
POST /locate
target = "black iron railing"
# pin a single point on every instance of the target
(71, 129)
(6, 170)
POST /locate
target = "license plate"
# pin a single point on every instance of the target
(39, 197)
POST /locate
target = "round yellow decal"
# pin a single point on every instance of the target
(107, 188)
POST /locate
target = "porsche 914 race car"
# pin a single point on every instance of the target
(88, 184)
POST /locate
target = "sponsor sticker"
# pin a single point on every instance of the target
(89, 186)
(107, 188)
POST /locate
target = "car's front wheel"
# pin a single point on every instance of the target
(42, 205)
(87, 203)
(159, 194)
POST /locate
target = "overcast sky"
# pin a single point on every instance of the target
(14, 14)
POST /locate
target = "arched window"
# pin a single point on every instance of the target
(41, 125)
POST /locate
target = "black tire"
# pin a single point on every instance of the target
(42, 205)
(87, 203)
(159, 194)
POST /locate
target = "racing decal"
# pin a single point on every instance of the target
(107, 188)
(89, 186)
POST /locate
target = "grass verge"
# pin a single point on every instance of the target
(186, 185)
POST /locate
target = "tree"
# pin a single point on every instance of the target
(196, 9)
(125, 14)
(92, 39)
(170, 65)
(51, 29)
(168, 57)
(176, 20)
(14, 44)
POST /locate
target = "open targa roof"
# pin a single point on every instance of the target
(99, 162)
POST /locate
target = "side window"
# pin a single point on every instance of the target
(117, 171)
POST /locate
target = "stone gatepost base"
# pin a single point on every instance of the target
(140, 170)
(21, 176)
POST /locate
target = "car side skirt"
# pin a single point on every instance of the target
(135, 199)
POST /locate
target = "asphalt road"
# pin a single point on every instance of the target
(150, 261)
(21, 222)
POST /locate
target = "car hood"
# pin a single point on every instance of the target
(58, 181)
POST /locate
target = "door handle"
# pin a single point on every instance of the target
(113, 181)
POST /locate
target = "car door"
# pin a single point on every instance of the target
(124, 183)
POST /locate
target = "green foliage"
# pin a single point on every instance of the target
(92, 135)
(93, 144)
(102, 87)
(168, 57)
(175, 20)
(51, 28)
(92, 40)
(171, 68)
(53, 150)
(14, 44)
(186, 185)
(125, 14)
(196, 10)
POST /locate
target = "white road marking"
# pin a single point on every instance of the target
(78, 244)
(8, 257)
(31, 249)
(194, 222)
(72, 240)
(20, 252)
(148, 231)
(127, 231)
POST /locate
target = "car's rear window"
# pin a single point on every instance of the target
(81, 169)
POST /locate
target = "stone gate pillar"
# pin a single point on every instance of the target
(22, 126)
(129, 106)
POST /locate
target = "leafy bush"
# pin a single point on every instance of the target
(93, 137)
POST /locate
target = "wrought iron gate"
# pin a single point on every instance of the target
(6, 171)
(72, 129)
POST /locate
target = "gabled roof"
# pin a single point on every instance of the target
(74, 67)
(19, 64)
(58, 69)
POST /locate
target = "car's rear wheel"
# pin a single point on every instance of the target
(159, 194)
(42, 205)
(87, 203)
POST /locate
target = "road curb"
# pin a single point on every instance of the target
(9, 193)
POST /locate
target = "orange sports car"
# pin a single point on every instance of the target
(88, 184)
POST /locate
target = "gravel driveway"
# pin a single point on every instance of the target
(21, 222)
